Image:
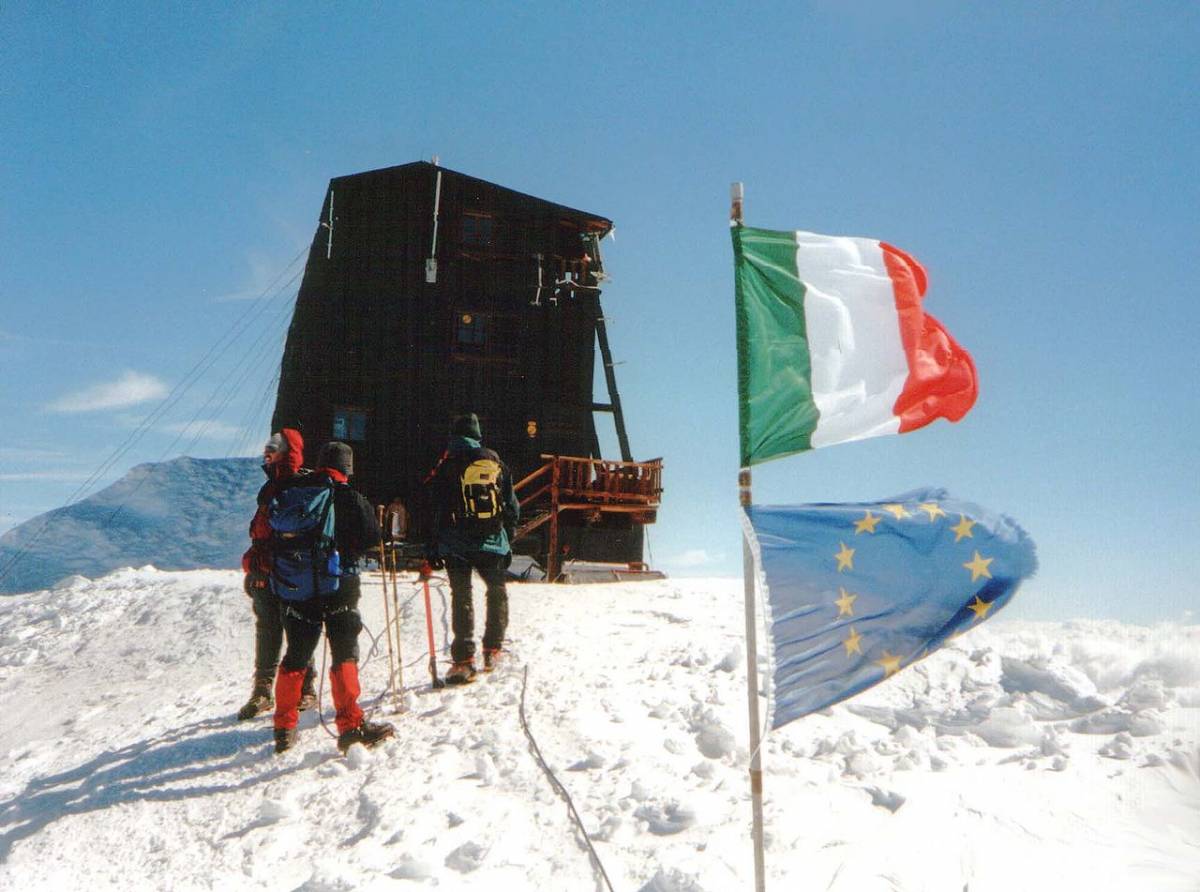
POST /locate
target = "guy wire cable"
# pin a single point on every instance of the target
(222, 351)
(179, 436)
(253, 358)
(201, 429)
(168, 402)
(252, 372)
(256, 360)
(185, 383)
(246, 429)
(241, 444)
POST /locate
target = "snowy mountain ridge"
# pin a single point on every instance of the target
(1032, 756)
(183, 514)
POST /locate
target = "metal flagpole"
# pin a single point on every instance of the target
(744, 498)
(756, 783)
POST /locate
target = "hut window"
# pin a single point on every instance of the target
(470, 332)
(349, 424)
(477, 230)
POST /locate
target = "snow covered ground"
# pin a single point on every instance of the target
(1022, 757)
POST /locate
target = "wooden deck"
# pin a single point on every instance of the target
(594, 485)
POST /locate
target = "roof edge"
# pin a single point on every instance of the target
(566, 209)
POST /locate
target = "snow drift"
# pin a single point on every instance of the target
(1033, 756)
(185, 514)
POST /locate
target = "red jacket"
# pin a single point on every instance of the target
(257, 558)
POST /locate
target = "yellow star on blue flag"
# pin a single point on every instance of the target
(841, 626)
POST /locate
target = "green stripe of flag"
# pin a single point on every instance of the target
(777, 414)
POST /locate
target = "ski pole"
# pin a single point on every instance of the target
(396, 613)
(387, 618)
(426, 572)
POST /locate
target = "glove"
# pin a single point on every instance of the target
(256, 582)
(257, 560)
(433, 560)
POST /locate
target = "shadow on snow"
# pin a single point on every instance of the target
(166, 768)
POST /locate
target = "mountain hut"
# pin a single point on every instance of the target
(428, 293)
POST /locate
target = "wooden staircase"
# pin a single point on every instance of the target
(595, 486)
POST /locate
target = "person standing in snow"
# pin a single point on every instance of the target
(475, 514)
(396, 520)
(355, 531)
(283, 455)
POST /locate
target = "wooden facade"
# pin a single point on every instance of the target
(428, 293)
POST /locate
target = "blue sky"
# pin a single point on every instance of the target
(161, 164)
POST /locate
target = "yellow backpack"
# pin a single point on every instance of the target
(481, 510)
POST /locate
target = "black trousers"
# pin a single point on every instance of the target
(337, 614)
(268, 632)
(462, 603)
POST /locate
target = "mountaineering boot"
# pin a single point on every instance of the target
(462, 672)
(285, 739)
(260, 700)
(308, 691)
(492, 657)
(367, 733)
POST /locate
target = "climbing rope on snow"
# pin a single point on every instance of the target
(560, 789)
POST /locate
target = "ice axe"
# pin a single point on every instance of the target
(387, 618)
(426, 573)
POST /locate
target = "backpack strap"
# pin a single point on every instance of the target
(319, 542)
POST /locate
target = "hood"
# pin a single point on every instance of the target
(293, 459)
(333, 474)
(457, 444)
(295, 454)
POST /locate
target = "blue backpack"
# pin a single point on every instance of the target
(306, 561)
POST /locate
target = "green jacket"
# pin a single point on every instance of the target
(450, 537)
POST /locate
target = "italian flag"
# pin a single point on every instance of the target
(833, 344)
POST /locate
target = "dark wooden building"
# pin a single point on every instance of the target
(429, 293)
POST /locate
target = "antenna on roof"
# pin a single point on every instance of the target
(329, 244)
(431, 260)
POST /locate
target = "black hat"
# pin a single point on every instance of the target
(467, 426)
(338, 456)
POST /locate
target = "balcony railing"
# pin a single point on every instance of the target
(569, 483)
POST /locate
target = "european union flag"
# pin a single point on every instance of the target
(855, 592)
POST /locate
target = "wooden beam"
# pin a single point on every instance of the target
(542, 470)
(611, 379)
(541, 492)
(605, 508)
(527, 529)
(552, 554)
